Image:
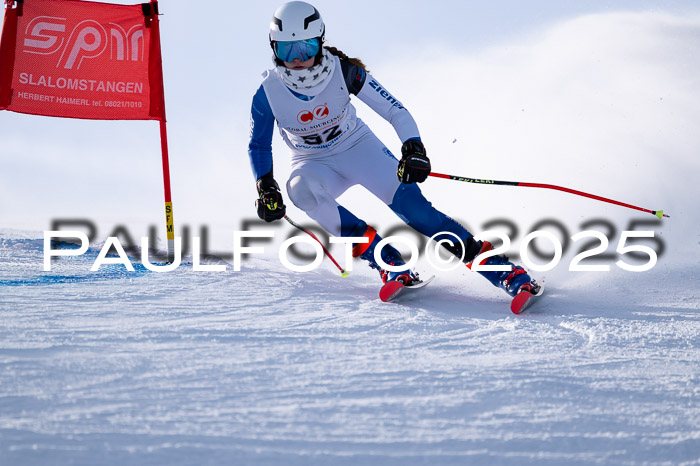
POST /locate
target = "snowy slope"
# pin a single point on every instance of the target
(266, 366)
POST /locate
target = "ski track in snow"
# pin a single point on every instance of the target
(267, 366)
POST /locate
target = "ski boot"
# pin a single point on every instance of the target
(515, 281)
(389, 255)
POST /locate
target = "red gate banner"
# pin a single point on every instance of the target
(80, 59)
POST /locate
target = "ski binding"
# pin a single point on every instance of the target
(391, 290)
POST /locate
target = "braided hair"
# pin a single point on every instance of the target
(342, 55)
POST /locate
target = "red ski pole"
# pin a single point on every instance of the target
(343, 272)
(658, 213)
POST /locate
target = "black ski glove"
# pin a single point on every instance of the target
(270, 204)
(414, 166)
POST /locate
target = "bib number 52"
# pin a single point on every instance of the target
(325, 136)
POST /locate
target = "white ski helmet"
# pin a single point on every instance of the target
(296, 21)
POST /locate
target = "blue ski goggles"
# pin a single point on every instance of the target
(301, 49)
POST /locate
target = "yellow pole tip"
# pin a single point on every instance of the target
(660, 213)
(344, 273)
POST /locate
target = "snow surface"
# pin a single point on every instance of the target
(269, 366)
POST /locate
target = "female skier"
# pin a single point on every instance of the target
(308, 94)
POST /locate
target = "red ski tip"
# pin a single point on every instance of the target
(520, 302)
(390, 290)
